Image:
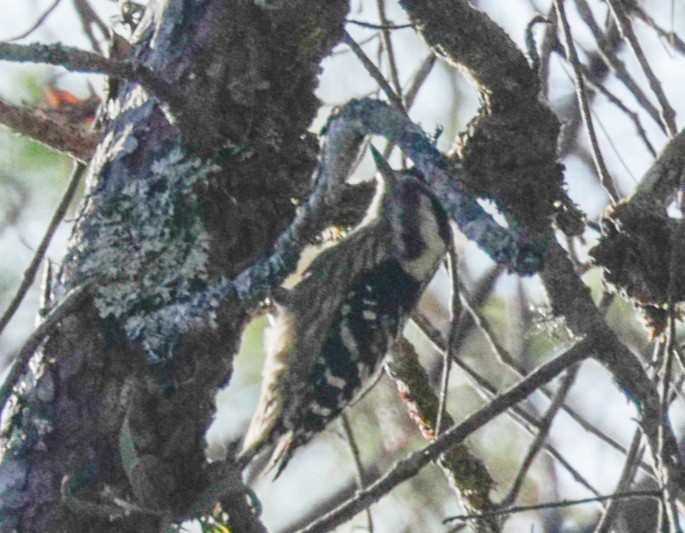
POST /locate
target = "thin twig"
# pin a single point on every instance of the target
(373, 71)
(412, 464)
(89, 17)
(419, 79)
(634, 117)
(15, 207)
(342, 50)
(610, 59)
(563, 503)
(32, 269)
(531, 45)
(676, 42)
(45, 301)
(450, 353)
(36, 24)
(633, 458)
(483, 324)
(371, 26)
(519, 415)
(605, 54)
(386, 41)
(549, 40)
(77, 60)
(667, 113)
(572, 55)
(71, 301)
(614, 148)
(668, 365)
(539, 441)
(389, 49)
(358, 466)
(465, 325)
(681, 359)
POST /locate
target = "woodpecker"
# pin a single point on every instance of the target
(330, 332)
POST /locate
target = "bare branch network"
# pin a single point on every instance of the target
(205, 189)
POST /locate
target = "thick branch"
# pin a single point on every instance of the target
(71, 140)
(513, 247)
(466, 36)
(571, 298)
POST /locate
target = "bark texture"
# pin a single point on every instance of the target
(91, 423)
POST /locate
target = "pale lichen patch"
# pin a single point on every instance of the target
(149, 244)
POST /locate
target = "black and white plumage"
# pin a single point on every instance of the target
(329, 333)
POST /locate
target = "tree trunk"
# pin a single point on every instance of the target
(99, 419)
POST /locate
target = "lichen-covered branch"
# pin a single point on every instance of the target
(513, 247)
(660, 183)
(509, 151)
(466, 474)
(412, 464)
